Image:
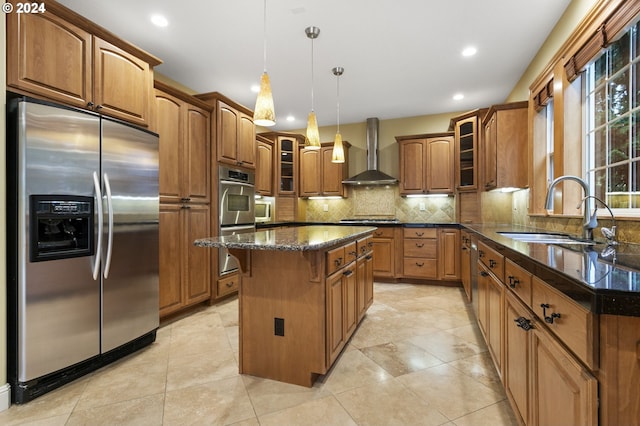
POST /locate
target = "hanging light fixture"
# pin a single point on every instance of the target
(313, 135)
(264, 113)
(337, 155)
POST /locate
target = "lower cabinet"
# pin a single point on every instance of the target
(384, 249)
(420, 250)
(517, 343)
(465, 264)
(184, 268)
(490, 313)
(448, 254)
(364, 275)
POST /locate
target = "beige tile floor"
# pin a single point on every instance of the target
(416, 359)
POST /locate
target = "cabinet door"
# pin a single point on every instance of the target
(562, 391)
(227, 133)
(350, 286)
(490, 141)
(465, 270)
(332, 174)
(246, 141)
(122, 83)
(335, 316)
(440, 177)
(287, 160)
(168, 125)
(383, 257)
(361, 290)
(495, 315)
(517, 345)
(466, 149)
(310, 175)
(483, 290)
(449, 254)
(197, 276)
(50, 57)
(368, 285)
(197, 144)
(170, 261)
(264, 168)
(412, 172)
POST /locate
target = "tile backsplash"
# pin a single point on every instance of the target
(381, 202)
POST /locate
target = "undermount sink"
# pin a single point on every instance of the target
(545, 238)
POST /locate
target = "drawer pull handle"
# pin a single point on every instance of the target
(377, 234)
(338, 261)
(513, 281)
(347, 273)
(353, 253)
(419, 245)
(548, 319)
(484, 274)
(230, 284)
(480, 253)
(492, 263)
(419, 234)
(523, 323)
(420, 264)
(369, 257)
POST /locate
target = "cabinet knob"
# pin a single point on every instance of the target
(480, 253)
(98, 107)
(338, 261)
(492, 263)
(90, 104)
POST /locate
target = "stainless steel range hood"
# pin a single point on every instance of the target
(372, 176)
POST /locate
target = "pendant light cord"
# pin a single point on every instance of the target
(312, 79)
(338, 104)
(264, 35)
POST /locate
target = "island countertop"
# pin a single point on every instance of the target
(298, 238)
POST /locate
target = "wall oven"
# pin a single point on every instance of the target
(237, 209)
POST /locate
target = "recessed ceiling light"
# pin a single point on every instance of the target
(255, 88)
(291, 118)
(458, 97)
(469, 51)
(159, 21)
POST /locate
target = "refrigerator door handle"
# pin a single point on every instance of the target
(107, 188)
(96, 265)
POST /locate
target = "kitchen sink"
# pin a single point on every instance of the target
(545, 238)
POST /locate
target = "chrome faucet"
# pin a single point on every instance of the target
(608, 233)
(588, 223)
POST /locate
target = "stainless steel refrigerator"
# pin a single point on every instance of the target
(82, 243)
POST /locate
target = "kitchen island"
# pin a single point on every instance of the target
(303, 291)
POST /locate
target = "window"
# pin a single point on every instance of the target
(550, 141)
(612, 121)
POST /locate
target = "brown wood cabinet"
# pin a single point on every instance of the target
(185, 275)
(467, 149)
(426, 164)
(234, 131)
(384, 253)
(420, 251)
(364, 274)
(465, 263)
(183, 124)
(517, 356)
(61, 56)
(318, 175)
(506, 154)
(490, 313)
(264, 166)
(449, 254)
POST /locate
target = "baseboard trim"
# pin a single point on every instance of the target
(5, 397)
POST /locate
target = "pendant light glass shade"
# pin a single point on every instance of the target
(264, 114)
(337, 155)
(313, 135)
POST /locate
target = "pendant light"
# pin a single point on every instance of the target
(337, 155)
(264, 113)
(313, 135)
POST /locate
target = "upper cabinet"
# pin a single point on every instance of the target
(60, 56)
(286, 161)
(264, 166)
(183, 124)
(426, 164)
(234, 131)
(467, 149)
(506, 159)
(318, 175)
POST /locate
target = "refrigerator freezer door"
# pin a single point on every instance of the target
(58, 300)
(130, 305)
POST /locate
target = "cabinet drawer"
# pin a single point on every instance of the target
(518, 280)
(364, 246)
(335, 260)
(420, 267)
(228, 285)
(350, 252)
(420, 232)
(573, 324)
(420, 248)
(383, 233)
(492, 260)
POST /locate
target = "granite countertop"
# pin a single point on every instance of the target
(606, 279)
(291, 238)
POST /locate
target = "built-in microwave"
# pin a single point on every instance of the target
(264, 211)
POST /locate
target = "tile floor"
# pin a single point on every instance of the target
(416, 359)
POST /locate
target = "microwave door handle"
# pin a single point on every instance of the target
(96, 264)
(107, 264)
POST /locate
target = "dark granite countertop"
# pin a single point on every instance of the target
(363, 222)
(605, 279)
(290, 238)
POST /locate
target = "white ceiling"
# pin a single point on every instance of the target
(402, 58)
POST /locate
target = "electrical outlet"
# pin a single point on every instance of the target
(325, 207)
(422, 207)
(278, 326)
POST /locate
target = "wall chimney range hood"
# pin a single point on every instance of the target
(372, 176)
